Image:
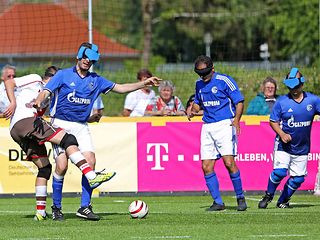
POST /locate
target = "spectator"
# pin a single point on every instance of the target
(262, 104)
(166, 104)
(136, 102)
(222, 103)
(291, 119)
(8, 72)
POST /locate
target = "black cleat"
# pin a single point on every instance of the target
(57, 215)
(284, 204)
(87, 213)
(216, 207)
(242, 205)
(266, 199)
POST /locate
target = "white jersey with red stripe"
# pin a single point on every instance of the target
(27, 89)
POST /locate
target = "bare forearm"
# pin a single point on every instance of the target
(239, 111)
(42, 97)
(10, 85)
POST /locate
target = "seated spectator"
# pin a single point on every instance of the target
(166, 104)
(136, 102)
(264, 101)
(8, 72)
(189, 105)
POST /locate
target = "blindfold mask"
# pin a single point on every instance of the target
(292, 81)
(203, 72)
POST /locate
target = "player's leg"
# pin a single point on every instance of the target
(281, 163)
(21, 133)
(44, 173)
(70, 144)
(57, 182)
(87, 149)
(297, 171)
(208, 153)
(226, 141)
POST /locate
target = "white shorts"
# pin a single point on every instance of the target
(218, 139)
(79, 130)
(296, 164)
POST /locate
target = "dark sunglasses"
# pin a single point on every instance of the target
(11, 76)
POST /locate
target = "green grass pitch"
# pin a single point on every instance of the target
(170, 217)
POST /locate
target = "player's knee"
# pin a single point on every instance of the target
(68, 140)
(278, 174)
(45, 172)
(295, 182)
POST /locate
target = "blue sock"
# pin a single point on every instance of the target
(86, 192)
(57, 185)
(292, 184)
(275, 179)
(213, 186)
(237, 184)
(286, 193)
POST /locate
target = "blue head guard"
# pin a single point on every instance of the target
(292, 81)
(91, 53)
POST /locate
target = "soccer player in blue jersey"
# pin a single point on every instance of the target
(291, 119)
(75, 90)
(222, 103)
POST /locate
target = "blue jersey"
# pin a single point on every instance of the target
(73, 95)
(218, 98)
(296, 120)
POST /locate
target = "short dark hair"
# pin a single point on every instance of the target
(203, 59)
(50, 71)
(143, 73)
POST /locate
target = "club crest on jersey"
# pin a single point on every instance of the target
(214, 89)
(91, 84)
(309, 107)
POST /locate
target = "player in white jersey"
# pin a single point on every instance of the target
(222, 103)
(75, 90)
(136, 102)
(291, 119)
(30, 131)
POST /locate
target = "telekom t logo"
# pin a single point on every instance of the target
(157, 157)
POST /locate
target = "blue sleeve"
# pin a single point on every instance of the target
(275, 115)
(197, 96)
(317, 105)
(55, 82)
(105, 85)
(233, 91)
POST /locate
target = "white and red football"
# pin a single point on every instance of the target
(138, 209)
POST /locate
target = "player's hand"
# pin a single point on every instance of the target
(40, 111)
(285, 138)
(190, 114)
(236, 124)
(94, 118)
(152, 81)
(10, 110)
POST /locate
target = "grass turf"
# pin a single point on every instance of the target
(170, 217)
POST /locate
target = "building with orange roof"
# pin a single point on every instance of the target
(42, 32)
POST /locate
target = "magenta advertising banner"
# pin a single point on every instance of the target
(169, 157)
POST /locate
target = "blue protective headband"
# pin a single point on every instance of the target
(92, 54)
(292, 81)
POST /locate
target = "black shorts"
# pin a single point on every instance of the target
(31, 134)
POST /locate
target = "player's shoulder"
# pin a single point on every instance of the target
(223, 77)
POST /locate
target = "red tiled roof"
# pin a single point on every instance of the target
(50, 30)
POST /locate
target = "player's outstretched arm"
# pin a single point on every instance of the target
(42, 97)
(191, 112)
(10, 85)
(129, 87)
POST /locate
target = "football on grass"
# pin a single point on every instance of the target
(138, 209)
